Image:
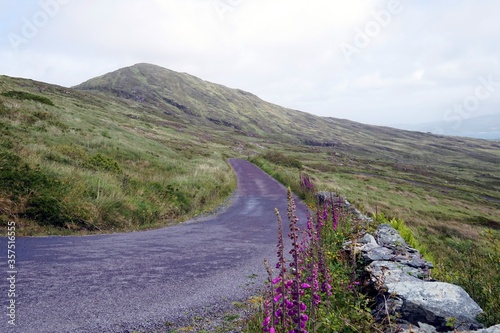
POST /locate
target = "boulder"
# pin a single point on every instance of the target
(389, 237)
(424, 328)
(400, 278)
(327, 198)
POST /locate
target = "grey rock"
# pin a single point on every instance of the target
(388, 236)
(368, 239)
(424, 328)
(329, 197)
(401, 278)
(492, 329)
(434, 303)
(388, 272)
(376, 253)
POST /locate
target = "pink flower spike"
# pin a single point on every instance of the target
(303, 307)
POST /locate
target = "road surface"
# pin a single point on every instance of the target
(120, 282)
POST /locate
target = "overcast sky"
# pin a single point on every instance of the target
(378, 62)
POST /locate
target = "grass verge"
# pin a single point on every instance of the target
(459, 255)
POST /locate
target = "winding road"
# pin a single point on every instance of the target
(118, 282)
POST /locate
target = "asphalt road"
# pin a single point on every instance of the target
(121, 282)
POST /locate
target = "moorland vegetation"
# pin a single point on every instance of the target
(145, 147)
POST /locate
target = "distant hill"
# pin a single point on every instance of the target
(186, 99)
(481, 127)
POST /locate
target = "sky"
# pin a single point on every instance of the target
(378, 62)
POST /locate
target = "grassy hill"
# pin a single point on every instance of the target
(74, 161)
(145, 147)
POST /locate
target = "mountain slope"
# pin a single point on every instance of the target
(186, 99)
(71, 161)
(189, 99)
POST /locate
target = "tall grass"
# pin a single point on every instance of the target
(63, 170)
(462, 252)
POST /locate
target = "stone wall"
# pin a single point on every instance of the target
(400, 279)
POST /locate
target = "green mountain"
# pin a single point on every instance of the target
(145, 147)
(186, 99)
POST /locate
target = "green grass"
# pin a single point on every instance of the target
(27, 96)
(455, 229)
(93, 165)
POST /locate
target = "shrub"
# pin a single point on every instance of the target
(104, 163)
(46, 210)
(27, 96)
(40, 193)
(20, 178)
(281, 159)
(77, 155)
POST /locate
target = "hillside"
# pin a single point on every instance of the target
(185, 99)
(145, 147)
(77, 162)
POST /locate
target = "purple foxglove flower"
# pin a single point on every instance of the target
(305, 286)
(303, 307)
(278, 279)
